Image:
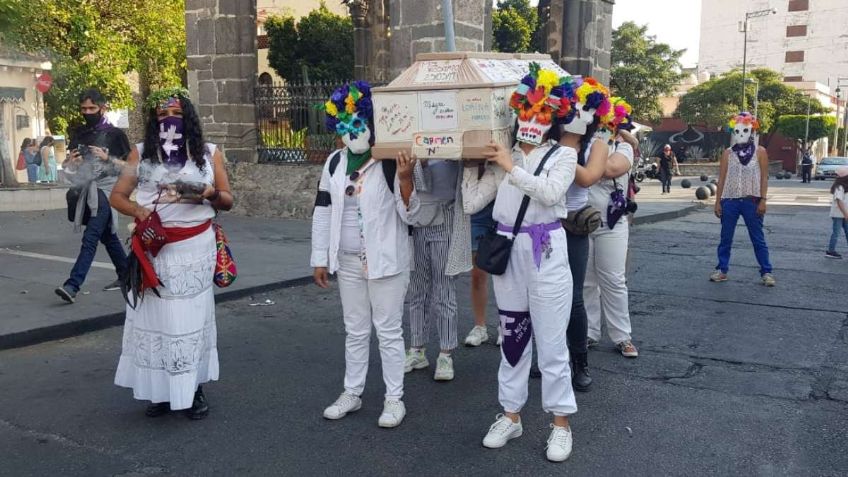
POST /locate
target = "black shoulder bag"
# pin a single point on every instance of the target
(494, 249)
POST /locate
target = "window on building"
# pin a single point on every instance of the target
(265, 79)
(262, 42)
(796, 30)
(794, 56)
(799, 5)
(21, 121)
(793, 79)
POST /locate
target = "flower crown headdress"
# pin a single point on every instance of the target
(167, 98)
(543, 94)
(593, 95)
(618, 116)
(347, 100)
(745, 118)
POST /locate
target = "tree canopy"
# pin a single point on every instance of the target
(794, 126)
(516, 27)
(712, 103)
(643, 70)
(94, 43)
(321, 43)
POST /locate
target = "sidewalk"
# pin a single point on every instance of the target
(38, 249)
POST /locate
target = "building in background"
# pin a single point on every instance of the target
(295, 8)
(804, 40)
(21, 105)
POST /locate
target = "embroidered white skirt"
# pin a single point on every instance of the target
(169, 345)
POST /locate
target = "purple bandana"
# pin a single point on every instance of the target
(172, 141)
(539, 234)
(744, 152)
(517, 329)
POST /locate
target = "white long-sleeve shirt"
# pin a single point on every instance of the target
(384, 221)
(547, 190)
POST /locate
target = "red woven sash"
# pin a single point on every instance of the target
(172, 235)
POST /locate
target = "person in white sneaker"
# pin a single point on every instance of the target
(359, 232)
(481, 224)
(537, 282)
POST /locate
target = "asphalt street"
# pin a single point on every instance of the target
(733, 379)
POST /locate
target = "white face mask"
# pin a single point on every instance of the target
(741, 134)
(603, 134)
(582, 120)
(360, 144)
(531, 132)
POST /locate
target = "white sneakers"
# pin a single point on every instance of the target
(504, 430)
(559, 444)
(444, 368)
(393, 413)
(415, 359)
(477, 336)
(344, 404)
(501, 432)
(393, 410)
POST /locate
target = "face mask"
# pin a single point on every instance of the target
(531, 132)
(604, 135)
(741, 134)
(91, 120)
(582, 120)
(172, 140)
(355, 134)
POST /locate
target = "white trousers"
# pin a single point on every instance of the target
(366, 302)
(546, 294)
(605, 288)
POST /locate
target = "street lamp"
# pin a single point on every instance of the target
(835, 147)
(756, 94)
(839, 82)
(748, 16)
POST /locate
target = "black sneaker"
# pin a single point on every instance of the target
(116, 285)
(66, 293)
(830, 254)
(157, 409)
(580, 378)
(199, 408)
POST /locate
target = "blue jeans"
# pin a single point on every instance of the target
(99, 229)
(32, 173)
(731, 209)
(578, 325)
(838, 223)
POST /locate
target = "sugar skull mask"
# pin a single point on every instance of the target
(349, 112)
(591, 102)
(542, 99)
(743, 128)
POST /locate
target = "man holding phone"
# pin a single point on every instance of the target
(97, 154)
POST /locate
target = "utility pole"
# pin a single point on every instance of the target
(744, 29)
(842, 81)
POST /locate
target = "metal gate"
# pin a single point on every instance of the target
(291, 128)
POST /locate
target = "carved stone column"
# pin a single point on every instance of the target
(579, 35)
(361, 37)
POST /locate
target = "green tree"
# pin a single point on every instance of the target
(94, 43)
(794, 126)
(321, 43)
(712, 103)
(511, 31)
(643, 70)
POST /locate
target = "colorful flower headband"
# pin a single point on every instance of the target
(618, 116)
(593, 95)
(543, 94)
(745, 118)
(347, 100)
(167, 98)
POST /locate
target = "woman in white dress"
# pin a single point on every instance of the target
(169, 345)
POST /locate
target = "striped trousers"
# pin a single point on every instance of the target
(432, 294)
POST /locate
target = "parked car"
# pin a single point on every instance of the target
(826, 168)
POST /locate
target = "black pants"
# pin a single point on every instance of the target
(806, 173)
(578, 325)
(665, 179)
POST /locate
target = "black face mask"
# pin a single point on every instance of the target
(91, 120)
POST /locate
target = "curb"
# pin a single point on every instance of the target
(663, 216)
(88, 325)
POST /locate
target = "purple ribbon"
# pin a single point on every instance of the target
(539, 234)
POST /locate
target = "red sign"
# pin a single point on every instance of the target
(44, 82)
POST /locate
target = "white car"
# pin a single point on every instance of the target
(826, 168)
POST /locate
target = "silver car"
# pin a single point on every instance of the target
(826, 168)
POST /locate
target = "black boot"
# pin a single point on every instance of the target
(199, 408)
(580, 378)
(157, 409)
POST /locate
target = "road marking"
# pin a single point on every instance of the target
(54, 258)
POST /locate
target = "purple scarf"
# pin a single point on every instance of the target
(539, 234)
(745, 152)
